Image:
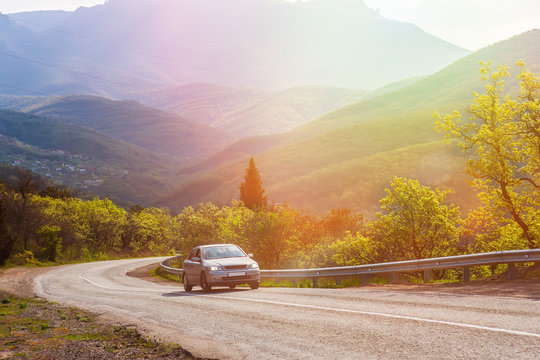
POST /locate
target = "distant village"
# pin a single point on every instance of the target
(61, 167)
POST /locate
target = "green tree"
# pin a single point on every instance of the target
(198, 227)
(414, 223)
(234, 223)
(340, 221)
(352, 250)
(26, 185)
(502, 136)
(251, 190)
(51, 243)
(102, 224)
(55, 193)
(278, 236)
(7, 241)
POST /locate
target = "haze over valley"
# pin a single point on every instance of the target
(331, 98)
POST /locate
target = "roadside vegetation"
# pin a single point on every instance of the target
(500, 138)
(38, 329)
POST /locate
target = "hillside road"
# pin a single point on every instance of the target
(294, 323)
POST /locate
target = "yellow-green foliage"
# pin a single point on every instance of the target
(23, 258)
(353, 250)
(415, 223)
(502, 139)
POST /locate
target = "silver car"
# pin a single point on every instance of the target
(220, 265)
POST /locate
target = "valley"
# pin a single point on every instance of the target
(160, 139)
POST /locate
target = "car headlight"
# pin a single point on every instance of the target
(253, 266)
(214, 268)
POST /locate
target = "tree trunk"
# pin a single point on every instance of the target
(517, 218)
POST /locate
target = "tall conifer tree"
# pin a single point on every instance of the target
(251, 190)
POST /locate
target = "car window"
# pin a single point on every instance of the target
(220, 252)
(198, 254)
(191, 254)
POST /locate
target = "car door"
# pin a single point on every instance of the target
(188, 265)
(196, 267)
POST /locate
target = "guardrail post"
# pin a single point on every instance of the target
(294, 282)
(363, 279)
(338, 280)
(315, 282)
(466, 274)
(511, 271)
(393, 276)
(276, 280)
(427, 276)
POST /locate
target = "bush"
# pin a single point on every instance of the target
(24, 258)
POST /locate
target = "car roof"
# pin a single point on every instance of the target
(215, 245)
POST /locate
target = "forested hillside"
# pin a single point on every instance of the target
(152, 129)
(82, 158)
(347, 158)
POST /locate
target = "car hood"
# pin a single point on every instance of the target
(230, 261)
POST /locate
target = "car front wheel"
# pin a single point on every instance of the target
(254, 285)
(204, 283)
(187, 285)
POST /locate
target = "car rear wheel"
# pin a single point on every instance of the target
(232, 286)
(187, 285)
(254, 285)
(204, 283)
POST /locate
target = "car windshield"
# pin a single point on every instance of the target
(219, 252)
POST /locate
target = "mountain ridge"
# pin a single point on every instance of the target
(262, 44)
(130, 121)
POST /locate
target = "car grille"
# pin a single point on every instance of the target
(229, 278)
(233, 267)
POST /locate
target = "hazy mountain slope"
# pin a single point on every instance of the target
(250, 146)
(132, 122)
(320, 165)
(262, 43)
(138, 175)
(43, 62)
(395, 86)
(23, 102)
(247, 112)
(41, 20)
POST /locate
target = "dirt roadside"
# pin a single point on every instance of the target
(31, 328)
(19, 282)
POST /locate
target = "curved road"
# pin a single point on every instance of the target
(283, 323)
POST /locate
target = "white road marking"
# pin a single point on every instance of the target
(325, 308)
(81, 276)
(404, 317)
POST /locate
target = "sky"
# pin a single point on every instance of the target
(472, 24)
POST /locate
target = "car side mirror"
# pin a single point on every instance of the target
(196, 259)
(250, 255)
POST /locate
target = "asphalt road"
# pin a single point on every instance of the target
(282, 323)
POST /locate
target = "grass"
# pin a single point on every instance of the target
(160, 274)
(32, 328)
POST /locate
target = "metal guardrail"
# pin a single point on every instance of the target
(165, 265)
(425, 265)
